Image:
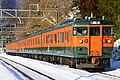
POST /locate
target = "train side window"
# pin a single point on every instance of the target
(58, 37)
(35, 42)
(80, 31)
(107, 31)
(31, 42)
(61, 36)
(55, 38)
(46, 39)
(95, 31)
(67, 36)
(51, 38)
(28, 43)
(38, 41)
(24, 44)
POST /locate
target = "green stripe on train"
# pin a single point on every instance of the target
(76, 52)
(62, 51)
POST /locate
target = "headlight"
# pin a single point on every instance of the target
(108, 41)
(81, 41)
(86, 40)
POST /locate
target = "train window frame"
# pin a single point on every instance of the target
(46, 41)
(83, 32)
(24, 43)
(55, 38)
(58, 37)
(61, 37)
(105, 32)
(33, 42)
(30, 42)
(66, 36)
(36, 41)
(94, 31)
(39, 41)
(51, 38)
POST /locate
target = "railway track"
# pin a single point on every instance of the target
(102, 74)
(22, 72)
(5, 63)
(110, 75)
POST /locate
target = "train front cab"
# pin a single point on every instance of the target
(93, 46)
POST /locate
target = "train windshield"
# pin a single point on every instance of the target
(95, 31)
(80, 31)
(107, 31)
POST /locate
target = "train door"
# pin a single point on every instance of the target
(95, 44)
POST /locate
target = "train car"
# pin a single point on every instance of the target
(80, 43)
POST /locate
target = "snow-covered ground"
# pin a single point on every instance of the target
(9, 73)
(114, 68)
(115, 61)
(60, 72)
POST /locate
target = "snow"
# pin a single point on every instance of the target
(114, 68)
(8, 73)
(59, 72)
(115, 61)
(115, 64)
(3, 71)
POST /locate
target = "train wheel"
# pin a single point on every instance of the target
(72, 63)
(61, 60)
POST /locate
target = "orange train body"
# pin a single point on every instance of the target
(82, 43)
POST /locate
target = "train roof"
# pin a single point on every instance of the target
(92, 21)
(70, 22)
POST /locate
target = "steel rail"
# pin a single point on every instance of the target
(27, 68)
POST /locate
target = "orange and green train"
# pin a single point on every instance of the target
(82, 43)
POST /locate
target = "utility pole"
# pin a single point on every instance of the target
(39, 4)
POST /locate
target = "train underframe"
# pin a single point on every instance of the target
(80, 63)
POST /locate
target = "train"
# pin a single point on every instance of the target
(79, 43)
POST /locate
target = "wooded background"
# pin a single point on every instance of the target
(108, 8)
